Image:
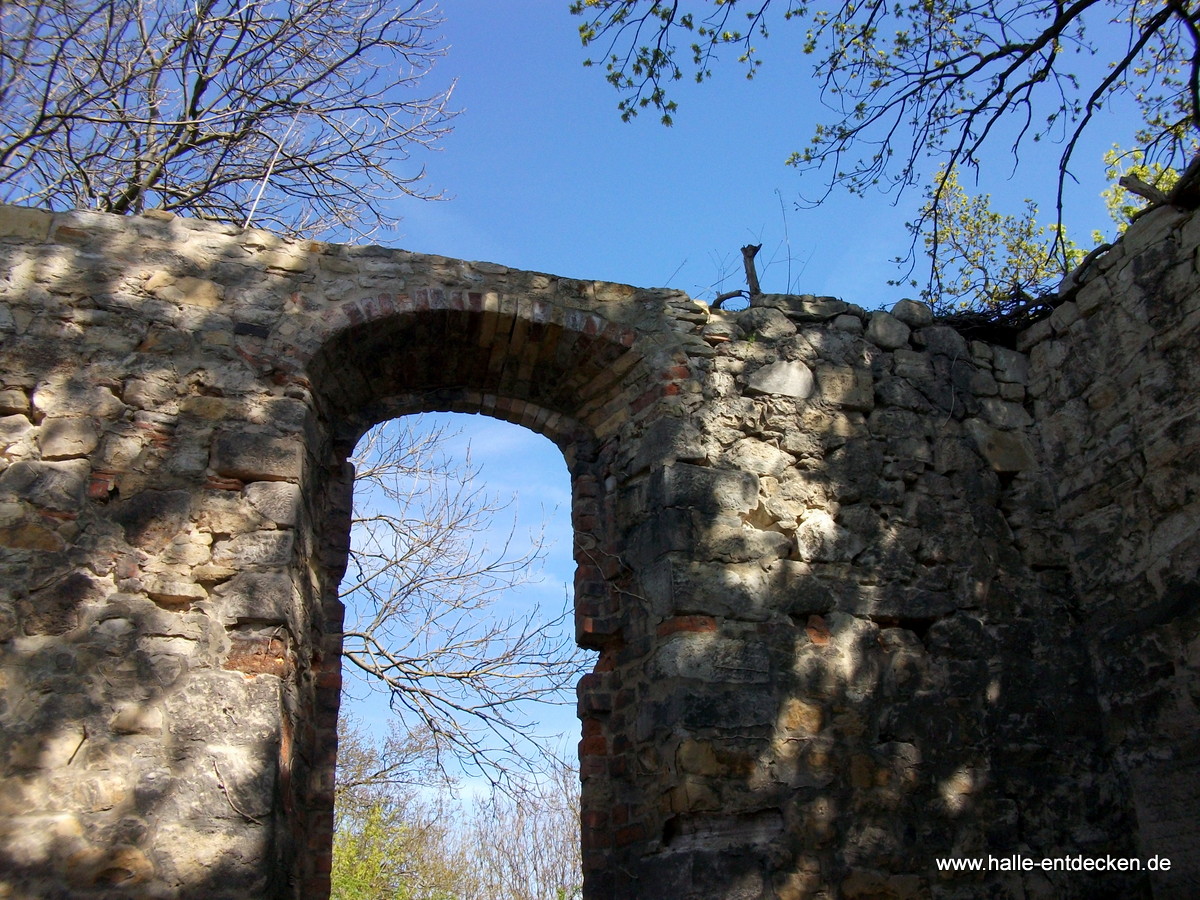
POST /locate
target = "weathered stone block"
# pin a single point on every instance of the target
(847, 387)
(152, 519)
(712, 658)
(257, 457)
(278, 502)
(912, 313)
(765, 323)
(257, 597)
(784, 378)
(886, 331)
(261, 548)
(704, 489)
(56, 486)
(68, 438)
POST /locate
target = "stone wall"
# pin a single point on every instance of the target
(855, 581)
(1115, 397)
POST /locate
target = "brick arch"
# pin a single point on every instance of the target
(560, 371)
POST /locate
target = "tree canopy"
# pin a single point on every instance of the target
(918, 84)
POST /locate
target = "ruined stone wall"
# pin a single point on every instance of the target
(1113, 377)
(842, 600)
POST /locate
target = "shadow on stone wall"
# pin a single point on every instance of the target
(136, 758)
(856, 648)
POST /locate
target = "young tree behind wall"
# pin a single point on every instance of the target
(525, 847)
(423, 621)
(299, 115)
(398, 836)
(987, 260)
(392, 838)
(917, 80)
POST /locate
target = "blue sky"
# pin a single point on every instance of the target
(543, 175)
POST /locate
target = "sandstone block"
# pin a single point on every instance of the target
(710, 657)
(704, 489)
(13, 401)
(759, 457)
(14, 430)
(76, 397)
(169, 591)
(1010, 366)
(943, 341)
(186, 290)
(257, 596)
(1005, 414)
(261, 548)
(847, 387)
(25, 223)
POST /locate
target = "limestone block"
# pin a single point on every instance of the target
(740, 591)
(68, 438)
(170, 591)
(1005, 414)
(768, 324)
(135, 718)
(820, 539)
(150, 392)
(228, 512)
(257, 457)
(277, 501)
(14, 430)
(914, 365)
(913, 313)
(787, 378)
(732, 540)
(55, 486)
(13, 401)
(1010, 366)
(944, 341)
(55, 609)
(25, 223)
(668, 440)
(803, 307)
(886, 331)
(849, 324)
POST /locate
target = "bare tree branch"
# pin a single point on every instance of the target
(422, 624)
(127, 105)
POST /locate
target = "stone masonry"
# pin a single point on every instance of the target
(865, 593)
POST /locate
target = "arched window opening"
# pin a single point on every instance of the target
(456, 763)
